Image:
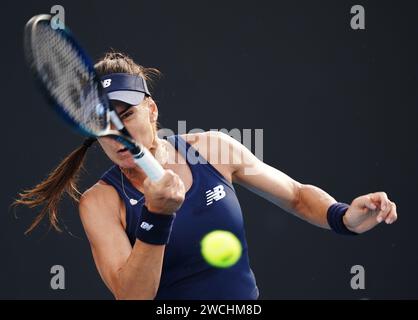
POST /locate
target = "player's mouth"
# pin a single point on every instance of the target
(123, 150)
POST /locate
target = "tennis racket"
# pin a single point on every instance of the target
(67, 78)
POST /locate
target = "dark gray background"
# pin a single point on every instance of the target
(338, 109)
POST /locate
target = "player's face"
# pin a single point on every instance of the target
(139, 120)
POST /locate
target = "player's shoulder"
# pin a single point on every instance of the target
(100, 196)
(210, 142)
(100, 209)
(211, 145)
(203, 138)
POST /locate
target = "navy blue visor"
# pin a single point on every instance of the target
(125, 87)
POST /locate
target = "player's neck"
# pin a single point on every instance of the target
(161, 152)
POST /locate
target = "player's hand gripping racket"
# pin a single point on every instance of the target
(73, 88)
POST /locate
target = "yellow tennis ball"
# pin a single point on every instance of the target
(221, 248)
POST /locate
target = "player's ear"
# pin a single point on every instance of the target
(153, 110)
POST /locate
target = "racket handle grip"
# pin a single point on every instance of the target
(150, 165)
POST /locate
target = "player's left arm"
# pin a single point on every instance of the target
(306, 201)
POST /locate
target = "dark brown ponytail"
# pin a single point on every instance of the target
(48, 193)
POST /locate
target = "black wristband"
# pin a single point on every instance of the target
(154, 228)
(335, 216)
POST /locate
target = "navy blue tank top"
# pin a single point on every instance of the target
(210, 204)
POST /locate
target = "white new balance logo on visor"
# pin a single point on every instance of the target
(216, 194)
(146, 226)
(106, 83)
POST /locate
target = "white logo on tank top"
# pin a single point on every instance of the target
(216, 194)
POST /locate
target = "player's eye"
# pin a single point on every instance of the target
(126, 115)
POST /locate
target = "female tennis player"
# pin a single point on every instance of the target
(145, 235)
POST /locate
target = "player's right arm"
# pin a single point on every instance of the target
(129, 272)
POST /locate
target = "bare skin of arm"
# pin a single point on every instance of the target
(306, 201)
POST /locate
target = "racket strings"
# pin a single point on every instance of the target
(68, 79)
